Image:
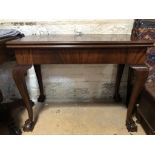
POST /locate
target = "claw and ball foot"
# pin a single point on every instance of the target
(131, 126)
(28, 126)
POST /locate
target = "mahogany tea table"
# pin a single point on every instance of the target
(79, 49)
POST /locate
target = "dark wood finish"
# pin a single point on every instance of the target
(82, 49)
(78, 41)
(146, 109)
(141, 74)
(80, 56)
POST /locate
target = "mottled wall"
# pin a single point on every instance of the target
(68, 83)
(71, 27)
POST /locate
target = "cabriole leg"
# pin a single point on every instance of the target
(19, 73)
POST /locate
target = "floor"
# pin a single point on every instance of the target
(78, 119)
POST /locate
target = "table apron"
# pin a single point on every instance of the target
(135, 55)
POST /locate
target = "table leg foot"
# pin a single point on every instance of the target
(131, 126)
(28, 126)
(41, 98)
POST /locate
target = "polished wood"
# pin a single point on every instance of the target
(85, 40)
(81, 49)
(80, 56)
(84, 49)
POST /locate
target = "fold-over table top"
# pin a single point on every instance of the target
(68, 40)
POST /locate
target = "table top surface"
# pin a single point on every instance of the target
(78, 39)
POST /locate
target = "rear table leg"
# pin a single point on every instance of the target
(120, 69)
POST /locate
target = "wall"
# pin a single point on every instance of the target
(68, 83)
